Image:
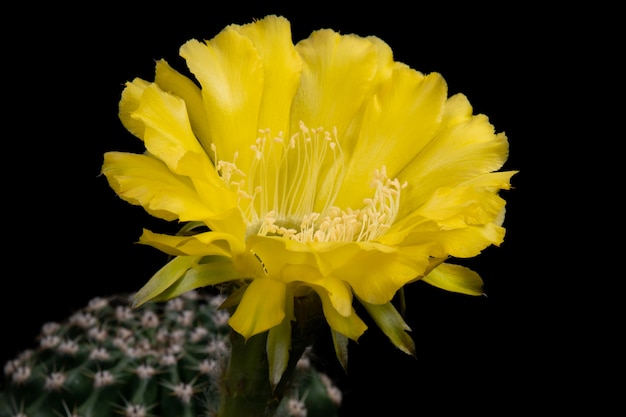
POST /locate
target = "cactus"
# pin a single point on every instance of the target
(164, 359)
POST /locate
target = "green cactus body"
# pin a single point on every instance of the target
(164, 359)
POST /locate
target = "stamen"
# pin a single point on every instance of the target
(278, 192)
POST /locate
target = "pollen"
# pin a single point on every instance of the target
(279, 192)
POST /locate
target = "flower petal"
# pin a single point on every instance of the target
(462, 220)
(375, 272)
(168, 134)
(211, 270)
(282, 66)
(455, 278)
(278, 346)
(204, 244)
(186, 273)
(465, 146)
(131, 96)
(399, 121)
(460, 243)
(392, 324)
(385, 63)
(170, 80)
(350, 326)
(337, 74)
(230, 72)
(340, 343)
(146, 181)
(164, 278)
(261, 308)
(337, 291)
(473, 202)
(275, 253)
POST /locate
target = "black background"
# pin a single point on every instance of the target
(69, 238)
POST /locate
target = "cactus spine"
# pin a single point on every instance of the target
(164, 359)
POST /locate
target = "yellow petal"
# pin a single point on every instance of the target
(383, 71)
(350, 326)
(275, 253)
(214, 194)
(331, 256)
(230, 72)
(261, 308)
(399, 121)
(468, 204)
(291, 261)
(462, 220)
(208, 243)
(385, 63)
(131, 96)
(460, 243)
(282, 66)
(455, 278)
(146, 181)
(337, 74)
(168, 134)
(170, 80)
(465, 146)
(374, 272)
(337, 291)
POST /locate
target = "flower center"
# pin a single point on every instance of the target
(280, 191)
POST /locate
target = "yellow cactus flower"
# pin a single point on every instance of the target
(323, 167)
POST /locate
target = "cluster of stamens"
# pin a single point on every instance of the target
(278, 194)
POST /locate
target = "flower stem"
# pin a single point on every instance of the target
(246, 389)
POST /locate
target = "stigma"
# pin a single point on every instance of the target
(278, 193)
